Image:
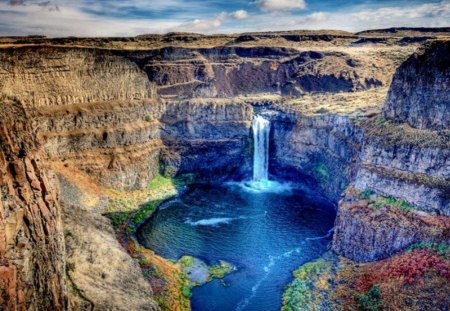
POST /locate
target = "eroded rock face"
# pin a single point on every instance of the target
(233, 71)
(364, 233)
(420, 89)
(32, 266)
(107, 276)
(50, 76)
(321, 149)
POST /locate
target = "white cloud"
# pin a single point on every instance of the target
(82, 18)
(239, 14)
(280, 5)
(211, 25)
(390, 14)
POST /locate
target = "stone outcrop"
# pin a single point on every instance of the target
(402, 162)
(318, 149)
(233, 71)
(420, 92)
(32, 267)
(112, 126)
(365, 233)
(50, 76)
(104, 275)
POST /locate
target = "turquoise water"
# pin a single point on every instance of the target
(265, 234)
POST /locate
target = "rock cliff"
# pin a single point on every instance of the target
(32, 266)
(420, 92)
(118, 116)
(402, 170)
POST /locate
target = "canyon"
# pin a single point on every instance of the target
(88, 123)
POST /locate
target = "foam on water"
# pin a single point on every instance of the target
(209, 221)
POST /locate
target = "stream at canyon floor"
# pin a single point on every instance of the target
(266, 235)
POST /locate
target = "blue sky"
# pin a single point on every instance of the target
(133, 17)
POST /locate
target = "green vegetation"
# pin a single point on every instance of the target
(382, 201)
(148, 118)
(124, 209)
(366, 194)
(144, 261)
(373, 301)
(187, 291)
(145, 211)
(322, 171)
(160, 182)
(186, 261)
(298, 295)
(219, 271)
(118, 219)
(441, 248)
(67, 233)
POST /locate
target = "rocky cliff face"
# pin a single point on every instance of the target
(32, 267)
(420, 93)
(365, 231)
(122, 116)
(317, 149)
(232, 71)
(51, 76)
(399, 162)
(122, 131)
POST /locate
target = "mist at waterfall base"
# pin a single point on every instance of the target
(266, 229)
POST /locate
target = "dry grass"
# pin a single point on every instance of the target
(392, 134)
(352, 104)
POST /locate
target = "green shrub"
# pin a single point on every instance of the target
(187, 291)
(382, 201)
(322, 171)
(144, 261)
(298, 294)
(186, 261)
(440, 248)
(366, 194)
(159, 182)
(145, 211)
(219, 271)
(372, 301)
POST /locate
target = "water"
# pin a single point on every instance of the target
(266, 234)
(261, 128)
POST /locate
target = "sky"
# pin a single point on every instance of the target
(58, 18)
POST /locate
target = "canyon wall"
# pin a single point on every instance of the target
(121, 134)
(32, 266)
(399, 162)
(420, 93)
(121, 117)
(320, 150)
(233, 71)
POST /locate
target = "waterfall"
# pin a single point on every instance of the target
(261, 128)
(260, 182)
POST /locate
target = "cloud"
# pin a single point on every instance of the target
(133, 17)
(239, 14)
(280, 5)
(427, 10)
(210, 25)
(16, 2)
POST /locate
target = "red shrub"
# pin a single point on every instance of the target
(366, 281)
(413, 265)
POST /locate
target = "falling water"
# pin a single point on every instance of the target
(261, 128)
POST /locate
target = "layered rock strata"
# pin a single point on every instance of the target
(420, 92)
(32, 266)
